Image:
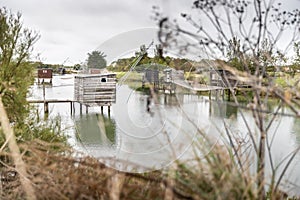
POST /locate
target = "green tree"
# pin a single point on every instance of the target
(77, 67)
(96, 59)
(16, 72)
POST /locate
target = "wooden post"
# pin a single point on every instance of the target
(71, 108)
(108, 110)
(86, 109)
(46, 107)
(210, 108)
(44, 92)
(101, 109)
(223, 94)
(80, 107)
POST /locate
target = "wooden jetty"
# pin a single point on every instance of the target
(46, 103)
(220, 81)
(198, 88)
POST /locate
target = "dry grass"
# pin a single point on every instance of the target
(59, 175)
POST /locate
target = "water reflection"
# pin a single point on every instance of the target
(222, 110)
(90, 130)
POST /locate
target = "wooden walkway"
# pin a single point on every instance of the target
(198, 88)
(50, 101)
(47, 101)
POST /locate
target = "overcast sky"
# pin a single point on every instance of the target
(70, 29)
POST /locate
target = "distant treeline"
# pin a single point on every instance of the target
(186, 65)
(159, 63)
(55, 67)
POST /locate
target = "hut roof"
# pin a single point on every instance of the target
(94, 75)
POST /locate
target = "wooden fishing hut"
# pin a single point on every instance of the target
(222, 78)
(95, 90)
(226, 81)
(168, 81)
(45, 74)
(151, 76)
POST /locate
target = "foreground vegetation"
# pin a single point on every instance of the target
(62, 176)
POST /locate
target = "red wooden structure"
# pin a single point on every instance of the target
(44, 74)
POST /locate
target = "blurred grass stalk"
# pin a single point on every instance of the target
(20, 165)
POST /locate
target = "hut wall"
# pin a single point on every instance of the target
(222, 78)
(95, 89)
(151, 76)
(45, 73)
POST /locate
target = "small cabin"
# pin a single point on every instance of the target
(222, 78)
(151, 76)
(44, 74)
(168, 75)
(171, 74)
(168, 79)
(95, 89)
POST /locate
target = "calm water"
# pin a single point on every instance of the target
(152, 140)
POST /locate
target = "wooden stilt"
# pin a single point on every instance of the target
(71, 108)
(46, 107)
(223, 94)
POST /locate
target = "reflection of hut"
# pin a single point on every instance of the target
(91, 132)
(170, 100)
(95, 89)
(44, 74)
(222, 110)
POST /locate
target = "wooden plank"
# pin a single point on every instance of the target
(50, 101)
